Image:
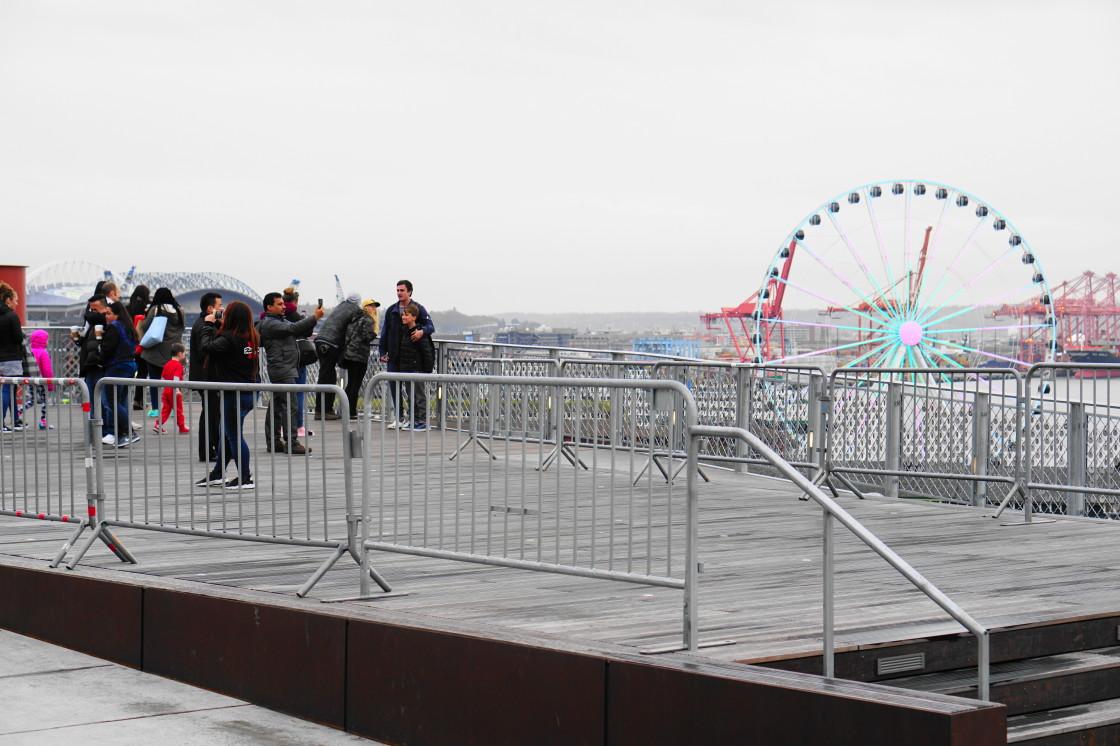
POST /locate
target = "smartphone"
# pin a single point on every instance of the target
(320, 303)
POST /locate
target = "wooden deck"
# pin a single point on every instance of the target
(760, 547)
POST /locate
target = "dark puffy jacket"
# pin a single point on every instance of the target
(89, 347)
(391, 330)
(278, 338)
(333, 329)
(415, 357)
(117, 346)
(11, 335)
(159, 354)
(195, 356)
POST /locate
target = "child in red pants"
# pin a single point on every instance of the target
(173, 371)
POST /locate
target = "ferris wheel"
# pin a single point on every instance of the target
(903, 274)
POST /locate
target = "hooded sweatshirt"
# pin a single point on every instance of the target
(38, 342)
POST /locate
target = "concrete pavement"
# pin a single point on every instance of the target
(52, 695)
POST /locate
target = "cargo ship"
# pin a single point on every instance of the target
(1094, 356)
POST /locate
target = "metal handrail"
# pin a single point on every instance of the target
(833, 510)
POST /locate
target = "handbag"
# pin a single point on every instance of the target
(154, 335)
(307, 354)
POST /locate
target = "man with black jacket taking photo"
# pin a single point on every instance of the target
(278, 338)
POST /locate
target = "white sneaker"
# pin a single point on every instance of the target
(109, 440)
(392, 425)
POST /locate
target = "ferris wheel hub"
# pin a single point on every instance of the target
(910, 333)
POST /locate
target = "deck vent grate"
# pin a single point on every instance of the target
(900, 664)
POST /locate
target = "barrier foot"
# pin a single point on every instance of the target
(61, 555)
(103, 533)
(847, 483)
(1015, 490)
(547, 460)
(642, 473)
(377, 578)
(94, 536)
(569, 453)
(320, 571)
(822, 478)
(681, 468)
(466, 443)
(115, 546)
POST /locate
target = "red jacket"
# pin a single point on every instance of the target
(173, 371)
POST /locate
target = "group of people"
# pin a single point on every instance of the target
(143, 339)
(404, 344)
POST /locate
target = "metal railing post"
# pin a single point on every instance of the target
(494, 399)
(893, 454)
(1026, 413)
(744, 405)
(441, 390)
(1077, 448)
(816, 417)
(692, 562)
(981, 445)
(828, 589)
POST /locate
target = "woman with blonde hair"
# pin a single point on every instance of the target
(361, 333)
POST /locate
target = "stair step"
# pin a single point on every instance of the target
(1095, 722)
(1034, 684)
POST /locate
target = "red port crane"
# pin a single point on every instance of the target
(757, 346)
(1085, 310)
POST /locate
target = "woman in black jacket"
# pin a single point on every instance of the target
(156, 356)
(11, 349)
(232, 355)
(138, 303)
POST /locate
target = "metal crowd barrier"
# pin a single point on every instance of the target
(46, 467)
(833, 511)
(947, 433)
(155, 481)
(424, 493)
(1072, 460)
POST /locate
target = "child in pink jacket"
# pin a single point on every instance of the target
(38, 344)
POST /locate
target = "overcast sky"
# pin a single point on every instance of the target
(540, 156)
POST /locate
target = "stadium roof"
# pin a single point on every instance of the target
(67, 282)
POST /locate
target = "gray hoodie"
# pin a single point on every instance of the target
(333, 330)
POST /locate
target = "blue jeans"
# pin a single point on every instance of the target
(115, 401)
(301, 400)
(234, 406)
(91, 380)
